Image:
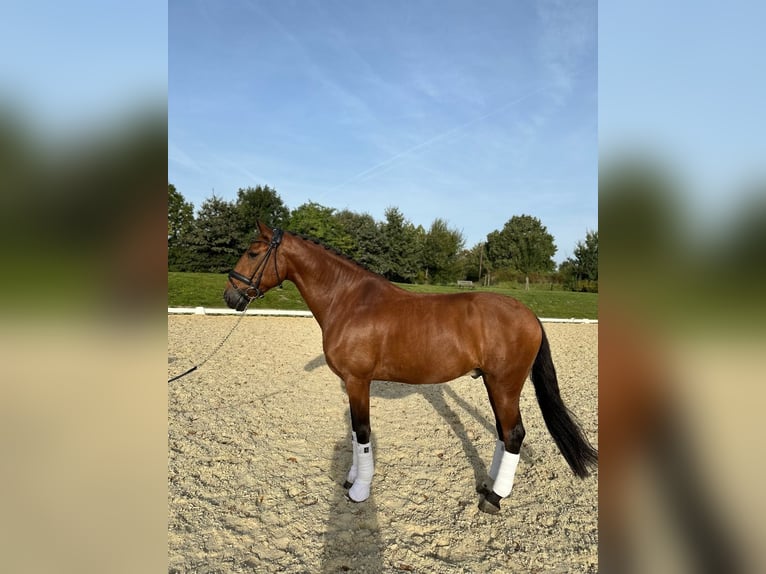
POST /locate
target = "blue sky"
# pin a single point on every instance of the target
(469, 112)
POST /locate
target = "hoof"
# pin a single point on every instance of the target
(490, 503)
(347, 497)
(483, 489)
(359, 492)
(348, 485)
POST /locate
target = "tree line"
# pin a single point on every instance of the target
(214, 238)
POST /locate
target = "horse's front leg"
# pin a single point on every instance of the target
(354, 470)
(360, 476)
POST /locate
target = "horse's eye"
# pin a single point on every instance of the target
(252, 254)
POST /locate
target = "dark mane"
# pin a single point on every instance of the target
(330, 249)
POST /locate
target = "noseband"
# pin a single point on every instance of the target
(253, 290)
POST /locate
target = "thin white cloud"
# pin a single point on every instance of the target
(180, 157)
(385, 165)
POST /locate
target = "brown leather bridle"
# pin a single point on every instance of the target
(253, 290)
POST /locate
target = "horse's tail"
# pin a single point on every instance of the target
(569, 437)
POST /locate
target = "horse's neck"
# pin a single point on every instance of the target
(323, 278)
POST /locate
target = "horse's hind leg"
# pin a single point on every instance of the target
(504, 399)
(517, 437)
(359, 477)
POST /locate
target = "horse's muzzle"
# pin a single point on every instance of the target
(235, 299)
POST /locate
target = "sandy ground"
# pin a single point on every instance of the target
(259, 446)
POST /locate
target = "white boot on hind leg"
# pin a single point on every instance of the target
(360, 490)
(497, 457)
(503, 485)
(505, 475)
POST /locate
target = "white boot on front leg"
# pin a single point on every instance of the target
(353, 471)
(360, 491)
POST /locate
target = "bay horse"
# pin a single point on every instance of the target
(374, 330)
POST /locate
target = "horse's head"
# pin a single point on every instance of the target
(259, 269)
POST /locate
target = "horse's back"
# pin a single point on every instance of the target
(499, 320)
(406, 314)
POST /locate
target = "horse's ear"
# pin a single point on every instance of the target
(264, 230)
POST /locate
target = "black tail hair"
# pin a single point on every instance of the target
(569, 437)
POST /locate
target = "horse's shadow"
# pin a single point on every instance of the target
(315, 363)
(352, 539)
(436, 395)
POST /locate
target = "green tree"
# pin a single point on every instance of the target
(523, 244)
(320, 222)
(586, 257)
(402, 256)
(580, 273)
(260, 203)
(180, 213)
(214, 244)
(472, 263)
(180, 225)
(367, 238)
(441, 246)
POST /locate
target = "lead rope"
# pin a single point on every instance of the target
(217, 348)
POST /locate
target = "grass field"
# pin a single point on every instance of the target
(206, 290)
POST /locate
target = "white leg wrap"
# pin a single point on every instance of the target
(506, 472)
(496, 458)
(355, 464)
(495, 466)
(365, 468)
